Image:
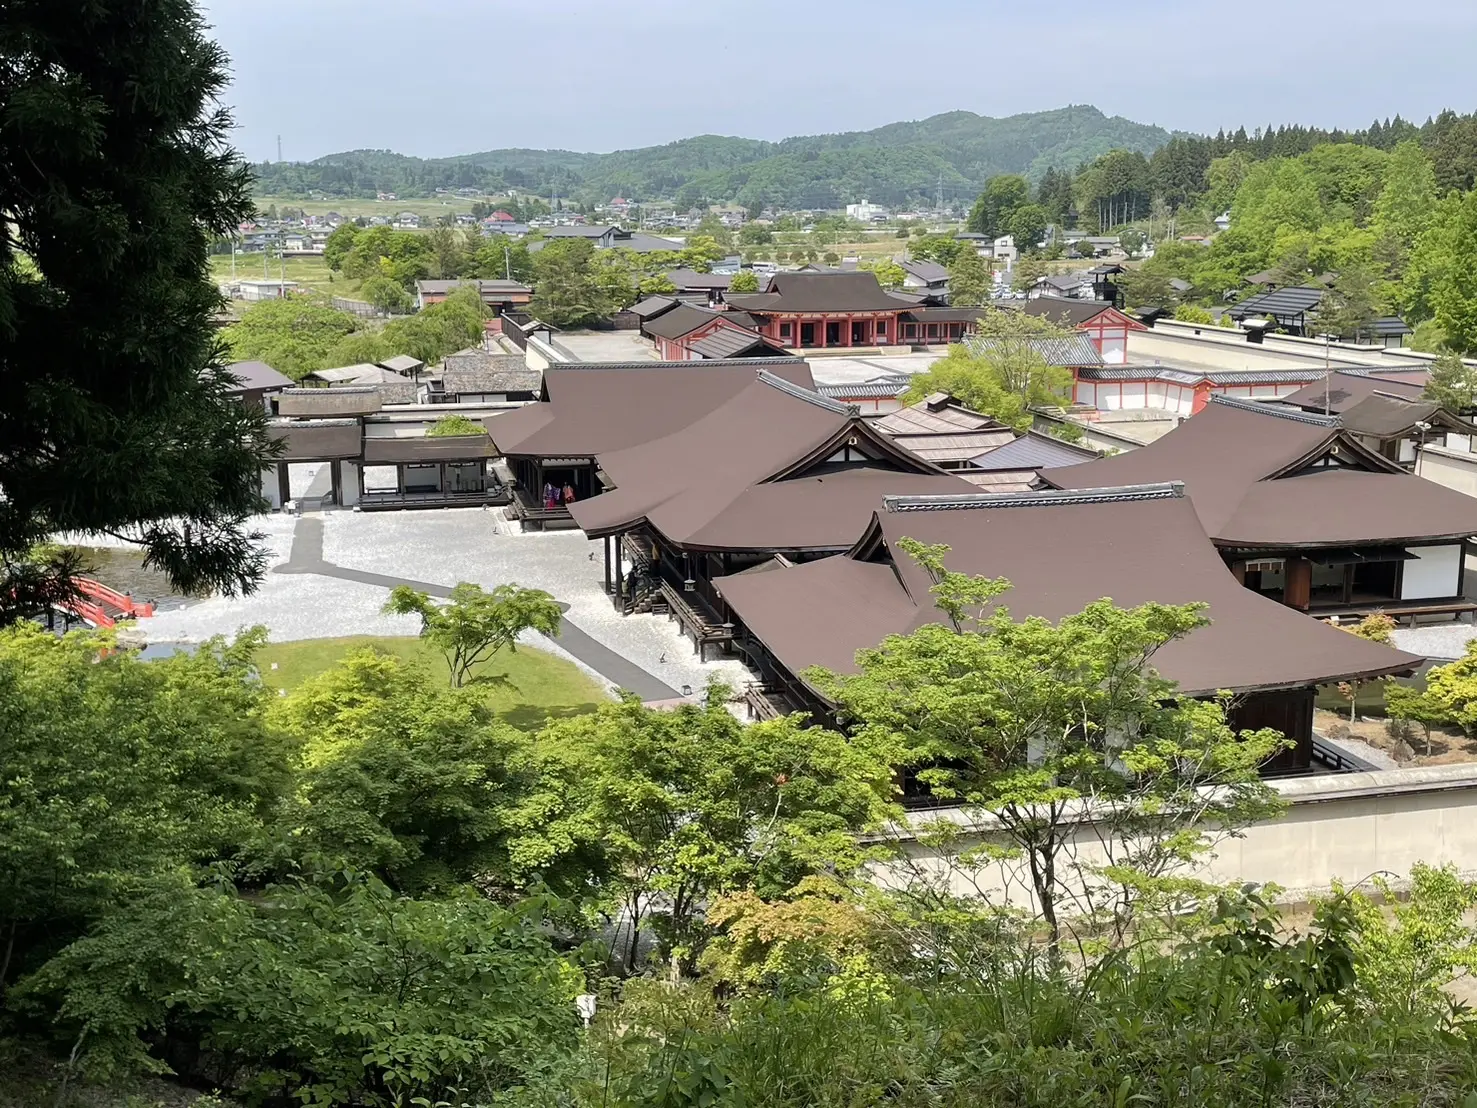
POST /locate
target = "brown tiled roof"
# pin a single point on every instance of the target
(941, 430)
(752, 475)
(732, 342)
(1347, 389)
(1247, 469)
(256, 375)
(588, 409)
(1060, 553)
(1067, 312)
(681, 320)
(819, 292)
(1386, 416)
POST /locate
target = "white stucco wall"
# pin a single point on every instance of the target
(1434, 571)
(1338, 828)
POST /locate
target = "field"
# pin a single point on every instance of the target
(525, 689)
(312, 273)
(425, 207)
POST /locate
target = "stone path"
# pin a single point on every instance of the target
(307, 558)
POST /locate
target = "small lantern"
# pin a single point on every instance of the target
(689, 585)
(686, 690)
(584, 1004)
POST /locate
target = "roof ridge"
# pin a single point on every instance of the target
(707, 363)
(1395, 396)
(1295, 415)
(1044, 498)
(766, 378)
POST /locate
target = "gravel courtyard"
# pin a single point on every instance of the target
(440, 547)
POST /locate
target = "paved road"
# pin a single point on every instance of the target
(307, 557)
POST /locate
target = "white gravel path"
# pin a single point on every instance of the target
(439, 547)
(1439, 641)
(470, 544)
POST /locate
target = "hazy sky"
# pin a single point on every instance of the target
(438, 77)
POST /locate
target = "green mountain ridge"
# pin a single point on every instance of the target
(896, 164)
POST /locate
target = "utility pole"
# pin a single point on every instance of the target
(279, 148)
(1327, 345)
(507, 264)
(938, 197)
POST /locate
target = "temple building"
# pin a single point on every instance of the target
(803, 310)
(775, 470)
(1305, 512)
(1060, 552)
(587, 409)
(1099, 320)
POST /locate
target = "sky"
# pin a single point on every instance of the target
(439, 77)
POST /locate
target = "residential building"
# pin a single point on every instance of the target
(610, 237)
(867, 212)
(926, 278)
(1105, 325)
(252, 290)
(477, 377)
(499, 295)
(688, 333)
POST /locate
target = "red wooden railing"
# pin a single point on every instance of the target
(104, 607)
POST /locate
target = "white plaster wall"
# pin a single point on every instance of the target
(1454, 469)
(1435, 571)
(1338, 828)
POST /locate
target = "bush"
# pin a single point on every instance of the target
(451, 425)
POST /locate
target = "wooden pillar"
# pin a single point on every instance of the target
(605, 545)
(1238, 571)
(336, 481)
(1297, 583)
(620, 573)
(284, 483)
(850, 328)
(1349, 583)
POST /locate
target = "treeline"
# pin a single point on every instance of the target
(374, 892)
(901, 163)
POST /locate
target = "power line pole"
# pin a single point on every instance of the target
(279, 148)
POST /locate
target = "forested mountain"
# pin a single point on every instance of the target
(895, 164)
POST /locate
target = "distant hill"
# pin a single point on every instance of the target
(897, 164)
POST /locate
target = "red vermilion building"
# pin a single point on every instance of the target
(1097, 319)
(824, 309)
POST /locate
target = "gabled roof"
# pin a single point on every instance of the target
(1060, 553)
(929, 272)
(1294, 300)
(1074, 313)
(256, 375)
(884, 389)
(653, 306)
(940, 429)
(404, 364)
(1268, 477)
(1033, 450)
(1386, 416)
(753, 474)
(681, 320)
(363, 374)
(1347, 389)
(733, 342)
(590, 408)
(692, 279)
(819, 292)
(1070, 351)
(475, 371)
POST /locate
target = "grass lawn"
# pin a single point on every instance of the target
(538, 687)
(312, 273)
(427, 207)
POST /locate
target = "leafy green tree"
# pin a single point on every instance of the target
(691, 803)
(338, 245)
(1144, 288)
(970, 281)
(118, 179)
(567, 294)
(1027, 272)
(972, 381)
(502, 257)
(745, 280)
(403, 256)
(1453, 689)
(386, 295)
(1376, 627)
(938, 248)
(333, 994)
(118, 770)
(1453, 295)
(701, 252)
(449, 247)
(475, 624)
(442, 329)
(754, 234)
(1189, 313)
(1131, 239)
(1349, 306)
(1412, 948)
(993, 209)
(292, 335)
(1020, 722)
(1452, 383)
(1027, 225)
(407, 779)
(889, 274)
(831, 258)
(1406, 703)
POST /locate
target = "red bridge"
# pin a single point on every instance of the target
(103, 607)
